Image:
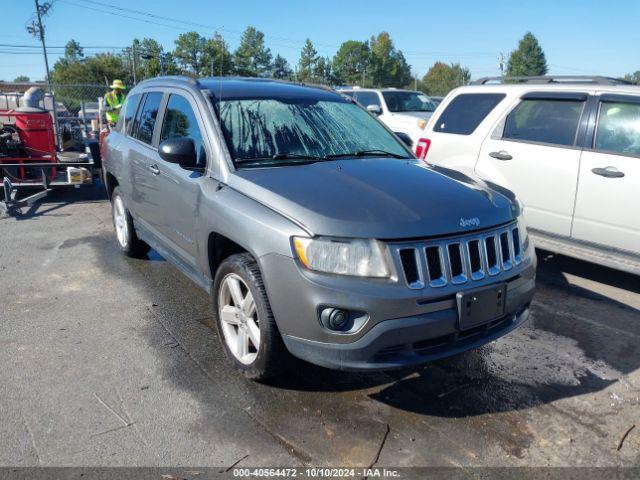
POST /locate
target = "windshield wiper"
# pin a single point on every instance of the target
(368, 153)
(277, 159)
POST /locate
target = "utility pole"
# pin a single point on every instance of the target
(135, 65)
(40, 32)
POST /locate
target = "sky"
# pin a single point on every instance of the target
(578, 37)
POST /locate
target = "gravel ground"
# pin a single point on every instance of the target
(111, 361)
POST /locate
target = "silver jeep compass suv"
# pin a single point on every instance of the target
(316, 231)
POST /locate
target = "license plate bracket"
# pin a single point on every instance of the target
(482, 305)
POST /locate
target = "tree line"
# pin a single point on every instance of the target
(371, 63)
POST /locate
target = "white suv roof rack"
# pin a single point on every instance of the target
(546, 79)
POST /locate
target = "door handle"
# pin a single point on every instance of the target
(154, 169)
(609, 172)
(501, 155)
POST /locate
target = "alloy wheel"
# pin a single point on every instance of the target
(239, 319)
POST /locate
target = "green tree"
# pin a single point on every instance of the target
(281, 68)
(323, 70)
(388, 67)
(21, 79)
(151, 58)
(73, 51)
(528, 59)
(351, 62)
(217, 57)
(307, 62)
(189, 53)
(99, 69)
(252, 58)
(633, 77)
(442, 78)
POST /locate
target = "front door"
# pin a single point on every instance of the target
(609, 183)
(176, 193)
(535, 153)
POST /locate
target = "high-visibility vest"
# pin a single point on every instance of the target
(114, 103)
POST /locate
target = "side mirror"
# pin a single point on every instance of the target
(375, 109)
(179, 150)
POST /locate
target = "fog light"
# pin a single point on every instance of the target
(335, 318)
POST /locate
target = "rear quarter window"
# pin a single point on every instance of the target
(129, 112)
(466, 111)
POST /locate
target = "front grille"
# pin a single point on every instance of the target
(458, 260)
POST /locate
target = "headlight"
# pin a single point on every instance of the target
(421, 124)
(523, 234)
(362, 258)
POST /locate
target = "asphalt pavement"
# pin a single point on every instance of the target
(107, 361)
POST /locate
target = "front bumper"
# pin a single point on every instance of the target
(404, 342)
(403, 328)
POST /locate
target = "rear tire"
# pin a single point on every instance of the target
(128, 240)
(243, 319)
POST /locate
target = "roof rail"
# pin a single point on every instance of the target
(595, 80)
(183, 78)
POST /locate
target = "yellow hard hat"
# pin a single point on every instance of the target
(118, 84)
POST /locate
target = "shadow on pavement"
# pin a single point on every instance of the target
(552, 266)
(541, 362)
(58, 198)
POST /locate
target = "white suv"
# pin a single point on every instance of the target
(405, 112)
(568, 147)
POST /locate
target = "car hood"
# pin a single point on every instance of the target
(411, 116)
(376, 198)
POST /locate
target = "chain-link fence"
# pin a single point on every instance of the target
(76, 106)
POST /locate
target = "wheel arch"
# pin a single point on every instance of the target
(110, 183)
(221, 247)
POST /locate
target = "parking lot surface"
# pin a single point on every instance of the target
(111, 361)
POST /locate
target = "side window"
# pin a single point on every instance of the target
(544, 120)
(180, 121)
(146, 119)
(368, 98)
(466, 111)
(126, 120)
(619, 128)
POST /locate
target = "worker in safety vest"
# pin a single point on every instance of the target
(114, 100)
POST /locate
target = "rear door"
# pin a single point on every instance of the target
(535, 152)
(142, 153)
(176, 192)
(609, 183)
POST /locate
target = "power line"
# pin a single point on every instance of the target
(122, 15)
(298, 42)
(49, 47)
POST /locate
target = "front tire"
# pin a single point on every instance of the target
(245, 323)
(128, 240)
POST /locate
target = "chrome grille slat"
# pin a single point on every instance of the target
(459, 260)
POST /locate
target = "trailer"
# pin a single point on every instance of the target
(31, 164)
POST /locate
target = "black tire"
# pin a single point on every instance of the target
(132, 246)
(272, 357)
